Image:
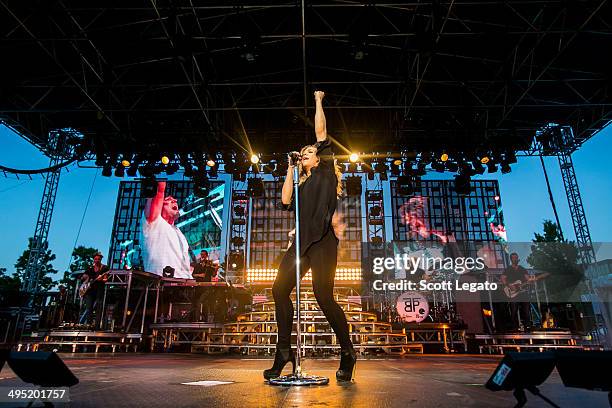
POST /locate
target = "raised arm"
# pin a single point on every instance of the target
(320, 125)
(153, 207)
(287, 191)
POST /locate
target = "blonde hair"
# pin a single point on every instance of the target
(304, 174)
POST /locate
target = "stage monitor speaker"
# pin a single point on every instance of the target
(585, 369)
(41, 368)
(522, 371)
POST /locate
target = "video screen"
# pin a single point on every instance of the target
(165, 228)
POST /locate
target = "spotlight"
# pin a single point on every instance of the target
(201, 186)
(237, 241)
(188, 170)
(444, 157)
(255, 187)
(452, 166)
(125, 163)
(107, 170)
(377, 240)
(211, 163)
(173, 168)
(119, 170)
(353, 186)
(254, 159)
(438, 166)
(354, 157)
(397, 162)
(462, 184)
(165, 159)
(484, 159)
(131, 171)
(148, 187)
(404, 186)
(239, 211)
(478, 167)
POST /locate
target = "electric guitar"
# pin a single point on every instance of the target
(517, 287)
(85, 286)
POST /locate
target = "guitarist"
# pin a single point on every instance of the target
(520, 302)
(92, 281)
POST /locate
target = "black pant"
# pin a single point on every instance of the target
(525, 313)
(321, 258)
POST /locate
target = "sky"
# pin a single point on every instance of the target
(524, 196)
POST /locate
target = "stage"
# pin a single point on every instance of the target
(156, 380)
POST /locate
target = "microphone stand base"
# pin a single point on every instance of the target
(295, 380)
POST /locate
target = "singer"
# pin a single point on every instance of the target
(319, 187)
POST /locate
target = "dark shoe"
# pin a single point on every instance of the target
(348, 362)
(281, 358)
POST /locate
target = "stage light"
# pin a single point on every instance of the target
(444, 157)
(462, 184)
(353, 186)
(239, 211)
(125, 163)
(131, 171)
(354, 157)
(254, 159)
(237, 241)
(491, 167)
(188, 170)
(165, 159)
(397, 162)
(171, 169)
(376, 240)
(438, 166)
(149, 187)
(478, 167)
(375, 211)
(522, 371)
(484, 159)
(119, 170)
(201, 186)
(404, 186)
(255, 187)
(452, 166)
(107, 170)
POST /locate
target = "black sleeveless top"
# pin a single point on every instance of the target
(318, 198)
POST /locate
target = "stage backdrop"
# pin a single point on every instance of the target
(200, 221)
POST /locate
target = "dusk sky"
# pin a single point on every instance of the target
(524, 195)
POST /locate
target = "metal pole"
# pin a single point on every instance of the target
(298, 345)
(298, 378)
(127, 299)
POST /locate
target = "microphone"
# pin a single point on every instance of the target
(294, 157)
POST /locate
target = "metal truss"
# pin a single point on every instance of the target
(238, 237)
(58, 151)
(128, 72)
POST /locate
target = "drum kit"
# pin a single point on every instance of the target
(434, 306)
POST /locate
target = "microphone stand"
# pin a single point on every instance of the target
(298, 377)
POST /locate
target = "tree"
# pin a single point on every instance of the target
(9, 289)
(559, 257)
(82, 258)
(45, 281)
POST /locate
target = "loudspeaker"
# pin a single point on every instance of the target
(41, 368)
(585, 369)
(521, 371)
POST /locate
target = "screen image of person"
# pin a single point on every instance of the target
(163, 244)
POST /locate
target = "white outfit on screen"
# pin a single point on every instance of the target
(163, 244)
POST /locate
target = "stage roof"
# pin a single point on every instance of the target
(417, 75)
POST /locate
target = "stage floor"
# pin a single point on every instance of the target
(156, 380)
